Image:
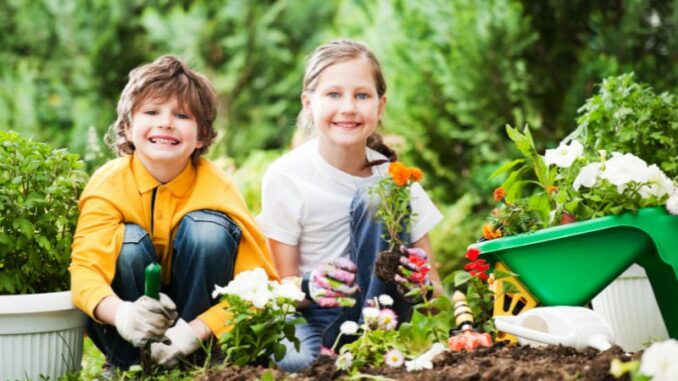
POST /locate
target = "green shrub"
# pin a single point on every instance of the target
(627, 116)
(39, 189)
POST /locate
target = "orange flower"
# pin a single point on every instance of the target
(400, 173)
(416, 174)
(551, 188)
(490, 233)
(499, 194)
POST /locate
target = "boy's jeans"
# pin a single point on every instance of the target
(323, 324)
(204, 252)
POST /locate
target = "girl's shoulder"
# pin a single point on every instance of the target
(296, 159)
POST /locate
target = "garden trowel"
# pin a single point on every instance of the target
(466, 337)
(152, 290)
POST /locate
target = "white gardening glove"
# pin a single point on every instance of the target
(145, 320)
(183, 343)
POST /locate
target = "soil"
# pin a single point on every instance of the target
(387, 264)
(500, 362)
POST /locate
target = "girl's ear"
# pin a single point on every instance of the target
(306, 102)
(382, 106)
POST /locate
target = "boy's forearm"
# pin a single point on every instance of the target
(106, 309)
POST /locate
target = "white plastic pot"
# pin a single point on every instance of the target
(629, 305)
(40, 335)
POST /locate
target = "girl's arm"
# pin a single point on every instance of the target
(286, 259)
(424, 243)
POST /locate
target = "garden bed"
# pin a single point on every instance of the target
(497, 363)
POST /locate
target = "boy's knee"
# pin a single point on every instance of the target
(136, 248)
(213, 232)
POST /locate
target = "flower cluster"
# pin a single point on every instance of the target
(262, 314)
(393, 193)
(377, 341)
(658, 363)
(476, 267)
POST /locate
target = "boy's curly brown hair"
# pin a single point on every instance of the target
(166, 77)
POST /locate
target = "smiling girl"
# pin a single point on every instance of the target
(316, 211)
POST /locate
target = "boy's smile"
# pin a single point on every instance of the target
(164, 136)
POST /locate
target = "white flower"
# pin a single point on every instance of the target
(672, 204)
(588, 176)
(349, 327)
(621, 169)
(385, 300)
(658, 184)
(388, 320)
(564, 155)
(660, 361)
(252, 286)
(425, 360)
(394, 358)
(371, 314)
(288, 290)
(344, 361)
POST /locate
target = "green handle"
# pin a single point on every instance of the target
(152, 280)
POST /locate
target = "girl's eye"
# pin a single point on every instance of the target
(362, 96)
(333, 94)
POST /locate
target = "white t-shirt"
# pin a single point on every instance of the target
(306, 203)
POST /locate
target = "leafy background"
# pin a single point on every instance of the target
(458, 71)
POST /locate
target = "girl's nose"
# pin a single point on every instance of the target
(348, 105)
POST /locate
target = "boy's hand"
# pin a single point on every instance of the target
(412, 273)
(145, 320)
(183, 343)
(333, 284)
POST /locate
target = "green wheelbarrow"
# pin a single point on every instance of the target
(570, 264)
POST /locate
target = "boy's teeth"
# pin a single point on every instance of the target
(163, 141)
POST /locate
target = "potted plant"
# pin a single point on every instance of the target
(41, 332)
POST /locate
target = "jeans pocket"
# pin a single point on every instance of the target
(134, 233)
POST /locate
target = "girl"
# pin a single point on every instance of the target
(316, 211)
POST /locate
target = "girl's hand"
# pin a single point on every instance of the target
(413, 274)
(333, 284)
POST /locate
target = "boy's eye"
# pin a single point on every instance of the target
(150, 112)
(183, 116)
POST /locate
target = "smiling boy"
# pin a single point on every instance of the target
(161, 202)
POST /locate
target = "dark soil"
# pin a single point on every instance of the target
(486, 364)
(386, 265)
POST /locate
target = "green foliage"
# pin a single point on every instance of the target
(627, 116)
(249, 174)
(431, 323)
(39, 190)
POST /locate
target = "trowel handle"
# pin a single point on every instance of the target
(510, 324)
(152, 280)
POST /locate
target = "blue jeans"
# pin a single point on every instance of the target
(204, 253)
(322, 328)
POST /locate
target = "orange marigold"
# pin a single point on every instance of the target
(551, 188)
(416, 174)
(499, 194)
(490, 233)
(400, 173)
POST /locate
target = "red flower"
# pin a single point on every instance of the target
(472, 253)
(479, 274)
(416, 260)
(499, 194)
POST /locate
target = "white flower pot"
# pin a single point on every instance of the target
(40, 335)
(629, 305)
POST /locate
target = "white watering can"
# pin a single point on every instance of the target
(576, 327)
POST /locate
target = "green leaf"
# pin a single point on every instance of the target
(505, 168)
(461, 277)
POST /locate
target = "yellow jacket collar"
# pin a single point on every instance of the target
(146, 182)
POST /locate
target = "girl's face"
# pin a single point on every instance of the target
(164, 134)
(345, 106)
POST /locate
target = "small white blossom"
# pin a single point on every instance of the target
(564, 155)
(659, 361)
(349, 327)
(588, 176)
(385, 300)
(658, 184)
(344, 361)
(394, 358)
(252, 286)
(388, 320)
(425, 360)
(288, 290)
(371, 314)
(672, 204)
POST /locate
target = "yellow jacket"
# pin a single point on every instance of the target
(120, 192)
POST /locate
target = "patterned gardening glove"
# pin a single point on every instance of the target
(333, 284)
(412, 275)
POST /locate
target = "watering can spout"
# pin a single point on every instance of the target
(599, 342)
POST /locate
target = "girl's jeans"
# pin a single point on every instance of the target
(204, 252)
(323, 324)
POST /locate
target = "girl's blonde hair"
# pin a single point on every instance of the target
(335, 52)
(166, 77)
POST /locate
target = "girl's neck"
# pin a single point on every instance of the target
(349, 159)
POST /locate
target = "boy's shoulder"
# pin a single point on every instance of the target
(110, 172)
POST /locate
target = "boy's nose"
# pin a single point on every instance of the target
(165, 121)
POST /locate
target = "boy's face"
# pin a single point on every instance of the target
(164, 134)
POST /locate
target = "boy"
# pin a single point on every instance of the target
(161, 202)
